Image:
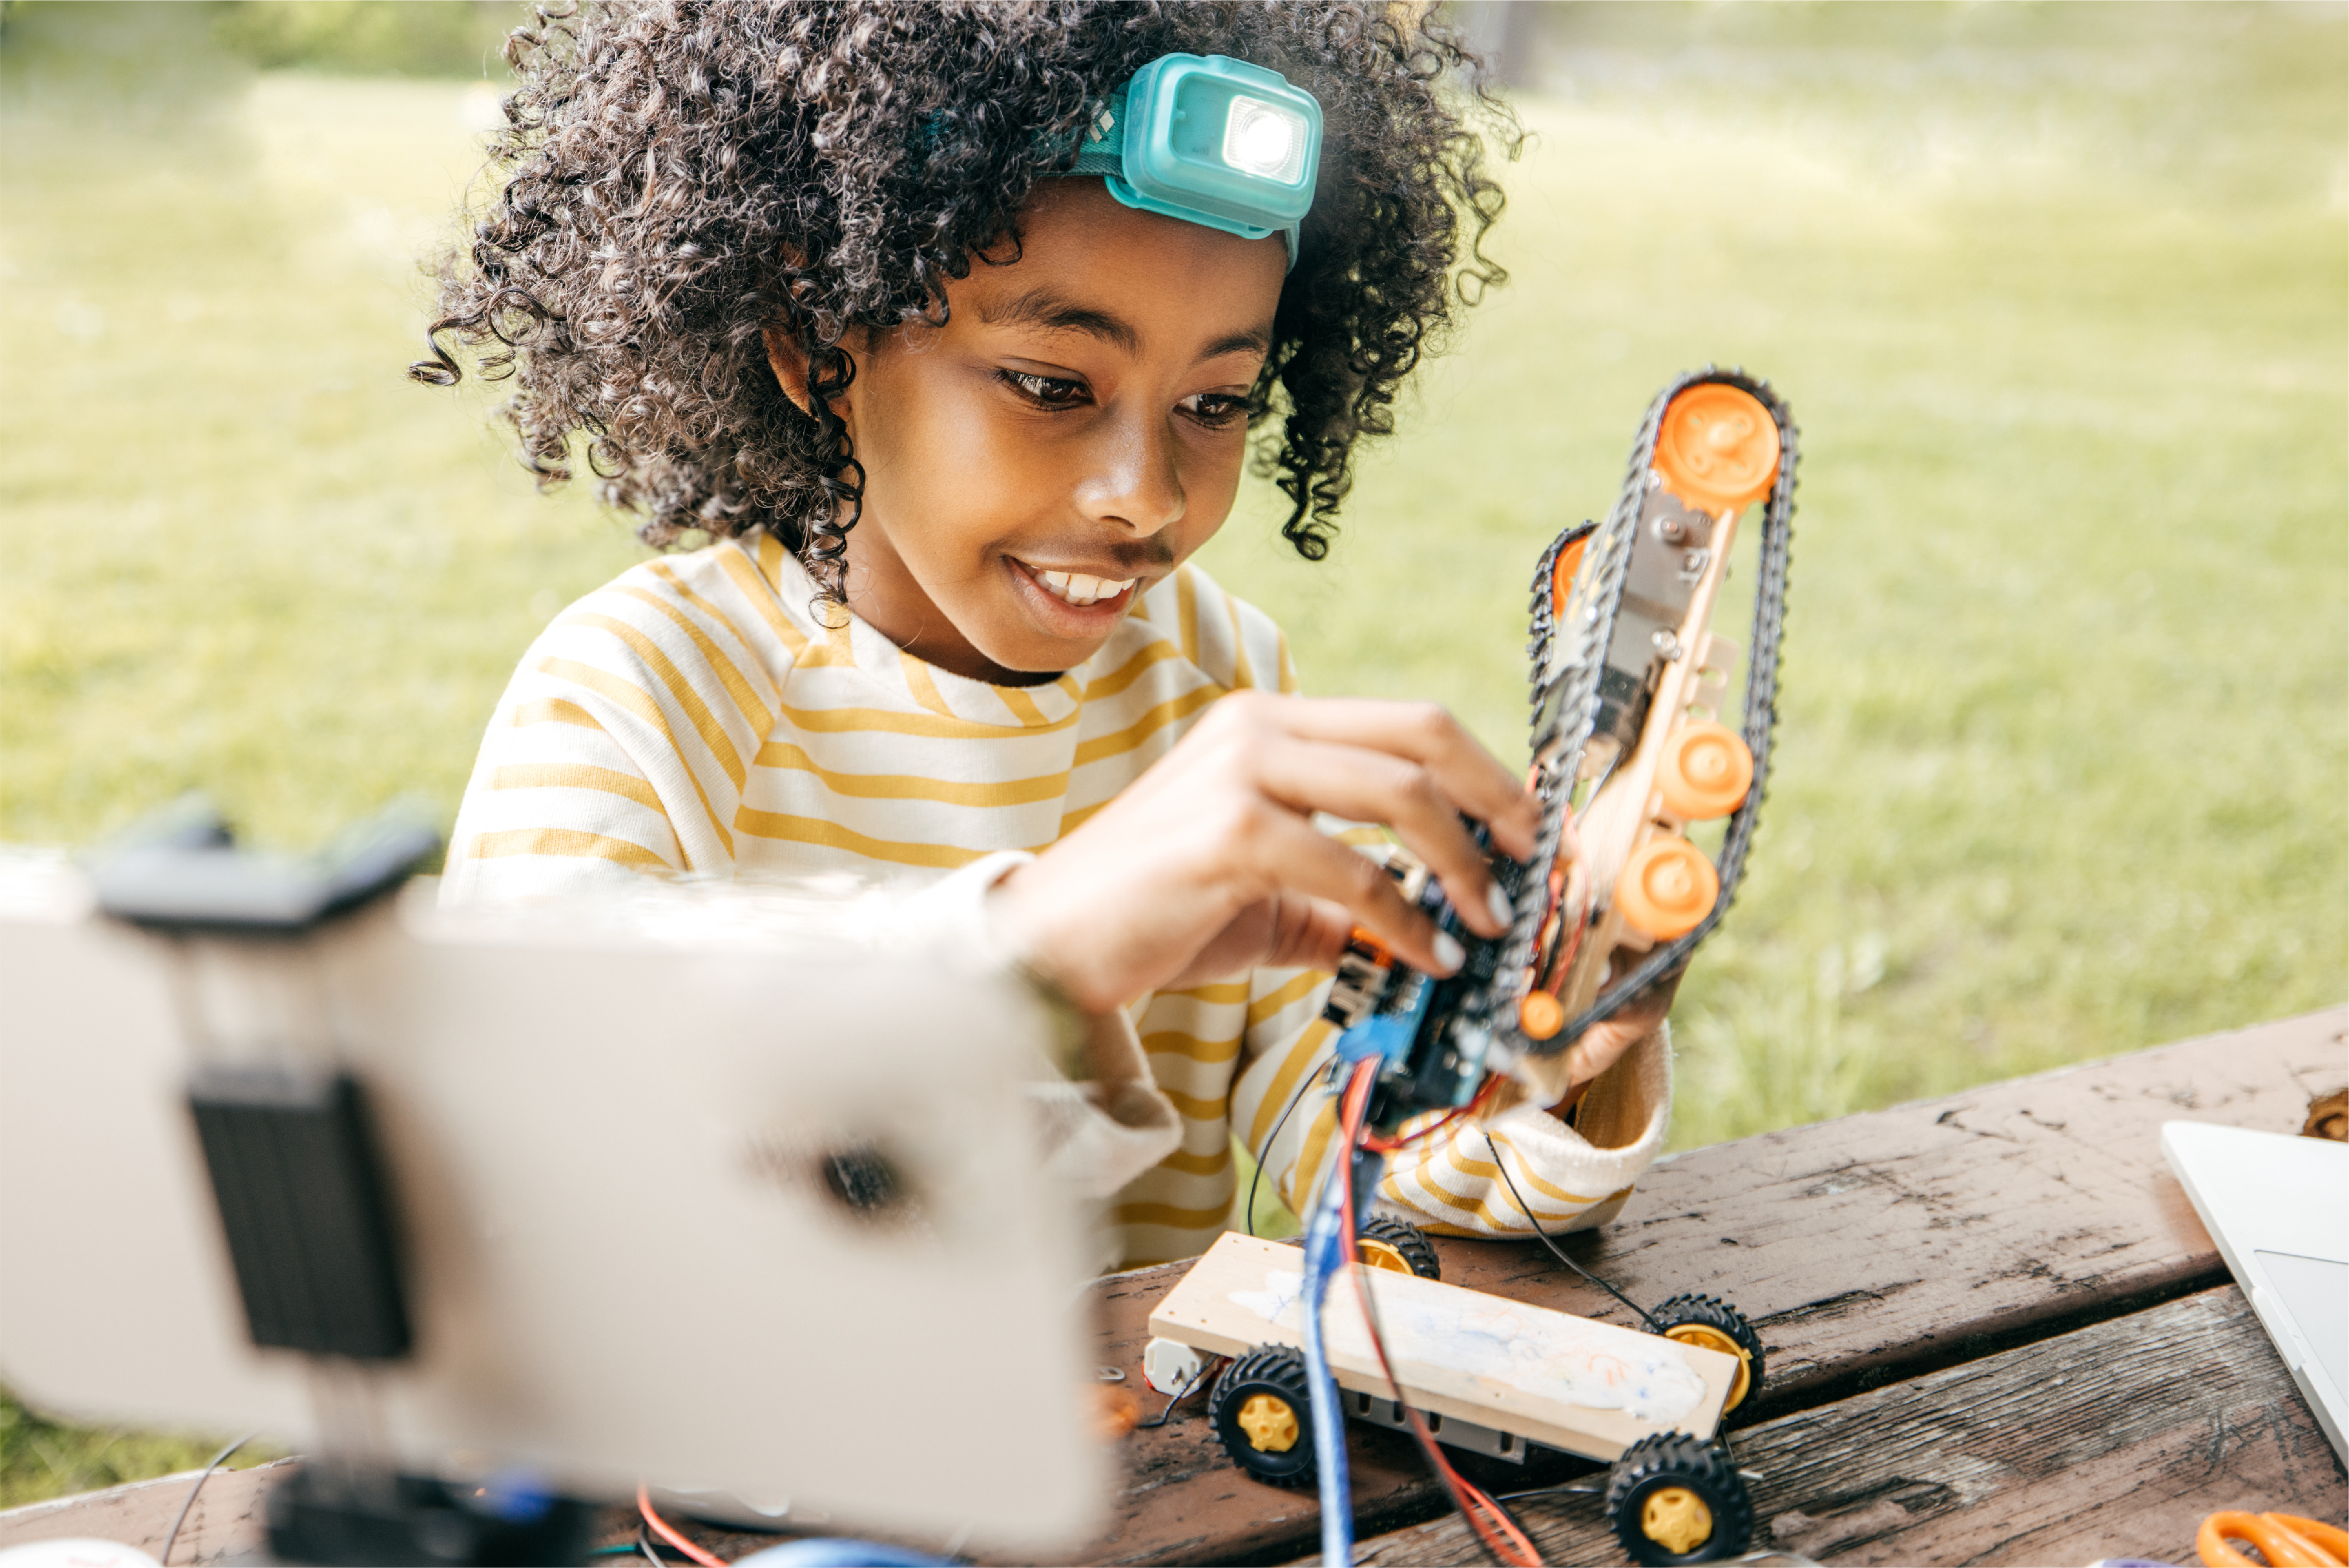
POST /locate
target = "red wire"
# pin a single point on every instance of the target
(661, 1528)
(1492, 1527)
(1351, 1110)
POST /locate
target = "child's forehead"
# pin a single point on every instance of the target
(1080, 246)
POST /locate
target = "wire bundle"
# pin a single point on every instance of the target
(1329, 1244)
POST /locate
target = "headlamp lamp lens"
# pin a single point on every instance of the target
(1264, 139)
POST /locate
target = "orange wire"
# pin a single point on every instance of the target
(1492, 1526)
(661, 1528)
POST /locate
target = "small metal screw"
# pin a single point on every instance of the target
(1670, 530)
(1668, 644)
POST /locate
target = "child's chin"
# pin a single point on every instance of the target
(1043, 657)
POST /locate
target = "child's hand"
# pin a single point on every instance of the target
(1601, 1044)
(1209, 863)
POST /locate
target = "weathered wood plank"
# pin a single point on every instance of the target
(2110, 1442)
(1870, 1245)
(1875, 1248)
(225, 1524)
(1867, 1249)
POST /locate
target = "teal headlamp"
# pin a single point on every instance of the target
(1212, 140)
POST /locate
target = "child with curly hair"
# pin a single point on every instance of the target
(906, 313)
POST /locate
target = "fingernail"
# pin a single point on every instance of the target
(1499, 903)
(1449, 952)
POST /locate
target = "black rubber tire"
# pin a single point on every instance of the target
(1407, 1238)
(1675, 1459)
(1278, 1370)
(1716, 1313)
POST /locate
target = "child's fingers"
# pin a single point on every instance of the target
(1297, 858)
(1473, 778)
(1308, 933)
(1380, 787)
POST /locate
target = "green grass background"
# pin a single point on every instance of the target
(2057, 293)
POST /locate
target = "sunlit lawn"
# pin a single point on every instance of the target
(2062, 768)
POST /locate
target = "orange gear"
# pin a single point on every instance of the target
(1667, 886)
(1717, 448)
(1703, 772)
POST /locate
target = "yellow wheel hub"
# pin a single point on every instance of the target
(1706, 1336)
(1382, 1255)
(1269, 1423)
(1676, 1519)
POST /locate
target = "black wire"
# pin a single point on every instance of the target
(1180, 1395)
(219, 1459)
(1563, 1489)
(1295, 1100)
(654, 1549)
(1503, 1167)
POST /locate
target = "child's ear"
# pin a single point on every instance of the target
(787, 357)
(787, 360)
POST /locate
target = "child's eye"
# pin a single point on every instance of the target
(1214, 410)
(1044, 391)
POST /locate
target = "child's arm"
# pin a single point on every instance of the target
(618, 747)
(1211, 860)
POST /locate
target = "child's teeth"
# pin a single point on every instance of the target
(1080, 590)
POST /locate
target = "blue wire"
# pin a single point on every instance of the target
(829, 1552)
(1322, 1397)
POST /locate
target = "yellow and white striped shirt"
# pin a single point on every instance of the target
(704, 713)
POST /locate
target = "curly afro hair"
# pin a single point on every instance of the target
(680, 175)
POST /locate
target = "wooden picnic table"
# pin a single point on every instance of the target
(1995, 1332)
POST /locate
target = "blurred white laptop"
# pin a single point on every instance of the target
(2278, 1206)
(606, 1130)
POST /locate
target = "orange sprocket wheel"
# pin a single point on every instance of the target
(1666, 888)
(1717, 448)
(1703, 772)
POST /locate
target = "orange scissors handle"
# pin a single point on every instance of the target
(2285, 1540)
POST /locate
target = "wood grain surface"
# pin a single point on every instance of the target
(2110, 1442)
(226, 1522)
(1872, 1251)
(1876, 1247)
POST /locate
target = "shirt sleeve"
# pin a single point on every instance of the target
(611, 755)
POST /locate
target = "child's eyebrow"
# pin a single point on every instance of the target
(1043, 309)
(1049, 312)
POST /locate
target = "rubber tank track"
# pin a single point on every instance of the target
(1574, 712)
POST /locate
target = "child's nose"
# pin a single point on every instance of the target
(1135, 481)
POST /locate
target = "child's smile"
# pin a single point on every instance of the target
(1072, 435)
